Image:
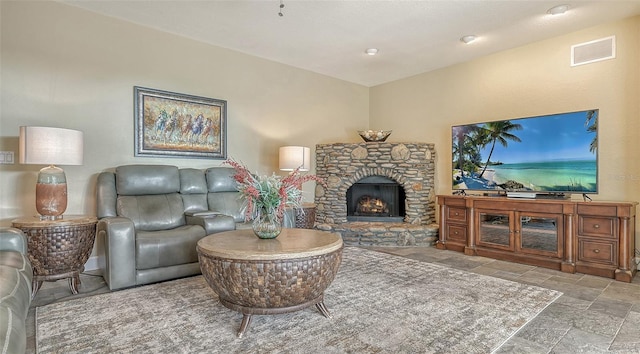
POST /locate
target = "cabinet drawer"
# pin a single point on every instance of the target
(457, 214)
(601, 210)
(597, 251)
(452, 201)
(457, 233)
(596, 226)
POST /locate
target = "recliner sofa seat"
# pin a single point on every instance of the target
(152, 216)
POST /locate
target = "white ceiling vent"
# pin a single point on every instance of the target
(593, 51)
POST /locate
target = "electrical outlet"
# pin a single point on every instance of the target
(6, 158)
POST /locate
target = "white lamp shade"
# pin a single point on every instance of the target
(292, 157)
(51, 146)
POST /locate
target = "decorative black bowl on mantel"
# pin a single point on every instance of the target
(374, 135)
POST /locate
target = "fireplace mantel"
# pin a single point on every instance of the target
(410, 164)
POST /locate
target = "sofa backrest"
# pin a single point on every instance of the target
(149, 195)
(156, 197)
(13, 239)
(193, 188)
(223, 194)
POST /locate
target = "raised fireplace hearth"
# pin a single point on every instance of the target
(377, 193)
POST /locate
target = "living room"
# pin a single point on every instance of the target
(51, 68)
(67, 67)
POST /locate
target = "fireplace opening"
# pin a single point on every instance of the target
(376, 198)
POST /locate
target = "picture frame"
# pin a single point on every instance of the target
(169, 124)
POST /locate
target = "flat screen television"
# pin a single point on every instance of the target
(549, 154)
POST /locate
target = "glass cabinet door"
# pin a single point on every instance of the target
(494, 230)
(539, 234)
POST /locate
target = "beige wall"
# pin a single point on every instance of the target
(531, 80)
(66, 67)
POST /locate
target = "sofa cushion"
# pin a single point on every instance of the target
(16, 260)
(15, 291)
(227, 203)
(193, 188)
(220, 179)
(12, 239)
(153, 212)
(223, 192)
(195, 202)
(147, 179)
(192, 181)
(13, 335)
(168, 247)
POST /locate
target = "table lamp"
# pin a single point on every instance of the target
(51, 146)
(292, 157)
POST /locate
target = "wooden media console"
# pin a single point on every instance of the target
(595, 238)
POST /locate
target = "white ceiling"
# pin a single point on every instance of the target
(330, 37)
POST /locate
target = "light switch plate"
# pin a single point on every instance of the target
(6, 158)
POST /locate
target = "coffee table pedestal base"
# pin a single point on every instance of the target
(248, 312)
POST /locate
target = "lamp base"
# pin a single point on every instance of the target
(51, 193)
(50, 217)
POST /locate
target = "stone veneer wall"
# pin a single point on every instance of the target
(411, 165)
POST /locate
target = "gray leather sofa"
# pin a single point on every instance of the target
(15, 290)
(152, 216)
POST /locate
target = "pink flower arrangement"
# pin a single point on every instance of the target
(269, 195)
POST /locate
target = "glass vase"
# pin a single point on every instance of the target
(267, 226)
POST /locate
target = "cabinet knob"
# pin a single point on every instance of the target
(456, 213)
(596, 251)
(455, 233)
(596, 226)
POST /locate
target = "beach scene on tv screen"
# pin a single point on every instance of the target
(553, 154)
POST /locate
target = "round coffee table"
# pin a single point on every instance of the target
(265, 277)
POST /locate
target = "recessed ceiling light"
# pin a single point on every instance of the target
(468, 38)
(558, 10)
(371, 51)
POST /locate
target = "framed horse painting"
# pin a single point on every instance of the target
(169, 124)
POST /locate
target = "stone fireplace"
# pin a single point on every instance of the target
(377, 193)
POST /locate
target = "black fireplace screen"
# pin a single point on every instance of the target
(375, 198)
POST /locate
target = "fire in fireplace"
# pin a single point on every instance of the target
(368, 205)
(376, 198)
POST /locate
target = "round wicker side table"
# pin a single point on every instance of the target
(58, 249)
(306, 216)
(267, 277)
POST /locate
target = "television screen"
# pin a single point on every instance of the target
(547, 154)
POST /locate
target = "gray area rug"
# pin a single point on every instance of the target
(380, 304)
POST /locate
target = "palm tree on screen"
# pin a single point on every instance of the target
(592, 127)
(499, 132)
(477, 140)
(461, 132)
(467, 142)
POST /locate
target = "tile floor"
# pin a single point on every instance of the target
(595, 314)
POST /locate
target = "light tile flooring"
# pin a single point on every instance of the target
(595, 314)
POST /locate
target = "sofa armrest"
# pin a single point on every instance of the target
(12, 239)
(213, 223)
(106, 195)
(118, 263)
